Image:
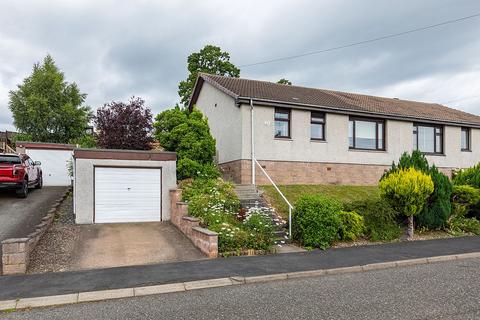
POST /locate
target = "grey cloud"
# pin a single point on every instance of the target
(114, 50)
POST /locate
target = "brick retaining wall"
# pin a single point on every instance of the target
(203, 239)
(296, 172)
(16, 251)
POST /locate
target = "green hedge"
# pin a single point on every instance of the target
(352, 226)
(379, 217)
(316, 221)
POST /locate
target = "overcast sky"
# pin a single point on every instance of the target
(114, 50)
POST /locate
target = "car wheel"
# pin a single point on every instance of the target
(40, 183)
(23, 192)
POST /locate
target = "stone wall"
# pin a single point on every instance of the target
(16, 251)
(295, 172)
(203, 239)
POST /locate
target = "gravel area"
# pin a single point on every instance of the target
(54, 251)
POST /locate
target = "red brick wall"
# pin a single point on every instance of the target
(293, 172)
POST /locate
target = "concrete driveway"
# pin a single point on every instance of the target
(18, 217)
(125, 244)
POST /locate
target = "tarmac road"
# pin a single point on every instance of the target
(446, 290)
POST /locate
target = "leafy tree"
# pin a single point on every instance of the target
(438, 209)
(188, 134)
(407, 190)
(47, 108)
(86, 141)
(210, 59)
(124, 125)
(284, 81)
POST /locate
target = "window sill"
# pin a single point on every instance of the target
(466, 150)
(367, 150)
(283, 139)
(434, 154)
(318, 140)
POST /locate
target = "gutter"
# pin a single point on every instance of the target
(303, 106)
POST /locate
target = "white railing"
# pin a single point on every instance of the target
(290, 207)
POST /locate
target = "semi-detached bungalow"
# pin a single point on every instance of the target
(314, 136)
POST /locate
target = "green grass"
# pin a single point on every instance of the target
(293, 192)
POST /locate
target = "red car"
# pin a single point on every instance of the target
(19, 172)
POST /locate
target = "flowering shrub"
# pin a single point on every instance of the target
(217, 206)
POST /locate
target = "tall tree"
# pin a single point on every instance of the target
(124, 125)
(210, 59)
(47, 108)
(188, 134)
(284, 81)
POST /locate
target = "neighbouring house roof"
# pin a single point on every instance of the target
(6, 134)
(269, 93)
(45, 145)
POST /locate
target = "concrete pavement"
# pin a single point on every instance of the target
(126, 244)
(25, 286)
(446, 290)
(18, 217)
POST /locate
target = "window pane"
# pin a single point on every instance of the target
(281, 129)
(465, 138)
(318, 117)
(316, 131)
(365, 135)
(426, 139)
(350, 134)
(281, 115)
(438, 143)
(380, 135)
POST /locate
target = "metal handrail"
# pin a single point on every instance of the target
(290, 207)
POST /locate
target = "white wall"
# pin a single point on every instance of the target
(224, 119)
(54, 165)
(84, 184)
(335, 149)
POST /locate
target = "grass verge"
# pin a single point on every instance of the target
(292, 192)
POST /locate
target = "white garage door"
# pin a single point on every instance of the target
(54, 165)
(127, 194)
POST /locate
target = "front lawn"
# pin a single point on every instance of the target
(344, 194)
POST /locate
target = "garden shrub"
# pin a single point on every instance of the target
(352, 225)
(316, 221)
(470, 176)
(209, 193)
(466, 195)
(435, 213)
(379, 218)
(407, 191)
(187, 133)
(217, 206)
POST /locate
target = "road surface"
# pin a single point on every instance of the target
(447, 290)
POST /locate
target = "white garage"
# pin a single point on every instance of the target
(127, 194)
(118, 186)
(54, 158)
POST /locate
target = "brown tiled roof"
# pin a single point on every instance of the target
(346, 102)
